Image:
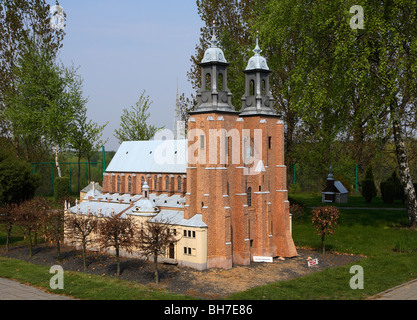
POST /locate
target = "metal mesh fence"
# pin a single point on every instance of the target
(92, 171)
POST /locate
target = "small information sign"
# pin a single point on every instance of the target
(263, 259)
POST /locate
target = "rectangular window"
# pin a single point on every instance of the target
(185, 233)
(202, 142)
(226, 153)
(189, 233)
(193, 234)
(187, 251)
(269, 142)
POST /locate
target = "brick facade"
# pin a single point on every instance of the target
(240, 225)
(131, 183)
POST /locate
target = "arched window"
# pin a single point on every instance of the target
(263, 87)
(179, 182)
(119, 184)
(220, 82)
(252, 88)
(129, 185)
(208, 82)
(249, 196)
(155, 181)
(167, 183)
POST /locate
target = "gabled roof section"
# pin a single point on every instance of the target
(340, 187)
(155, 156)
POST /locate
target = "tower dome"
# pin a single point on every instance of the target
(257, 61)
(214, 53)
(214, 95)
(257, 98)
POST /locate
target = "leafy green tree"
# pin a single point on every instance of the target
(19, 21)
(353, 83)
(133, 125)
(93, 136)
(84, 138)
(45, 99)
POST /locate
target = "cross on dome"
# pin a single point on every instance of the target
(257, 49)
(214, 53)
(214, 42)
(257, 61)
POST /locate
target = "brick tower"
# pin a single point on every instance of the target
(269, 210)
(236, 177)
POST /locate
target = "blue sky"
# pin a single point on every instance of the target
(125, 47)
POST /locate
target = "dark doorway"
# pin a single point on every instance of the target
(171, 251)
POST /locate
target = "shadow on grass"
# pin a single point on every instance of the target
(13, 240)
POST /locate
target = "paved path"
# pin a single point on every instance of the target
(12, 290)
(406, 291)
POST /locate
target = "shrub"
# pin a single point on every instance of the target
(398, 189)
(388, 192)
(368, 190)
(61, 188)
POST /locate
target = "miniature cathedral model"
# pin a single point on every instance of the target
(227, 199)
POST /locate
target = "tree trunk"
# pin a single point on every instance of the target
(58, 168)
(9, 233)
(79, 174)
(323, 245)
(30, 244)
(58, 249)
(404, 169)
(84, 256)
(89, 170)
(155, 262)
(118, 261)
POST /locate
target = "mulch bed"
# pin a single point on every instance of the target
(208, 284)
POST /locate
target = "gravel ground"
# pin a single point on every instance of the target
(208, 284)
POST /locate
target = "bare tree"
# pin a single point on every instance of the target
(79, 230)
(7, 220)
(54, 228)
(30, 216)
(118, 233)
(154, 239)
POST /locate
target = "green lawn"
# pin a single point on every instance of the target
(80, 285)
(390, 250)
(76, 284)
